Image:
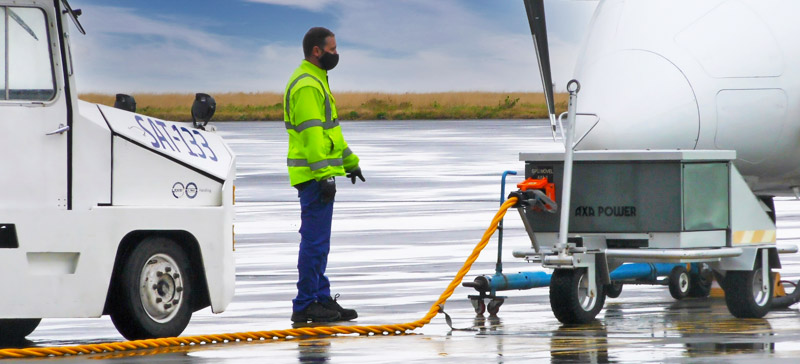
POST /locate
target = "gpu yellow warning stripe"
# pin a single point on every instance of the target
(753, 236)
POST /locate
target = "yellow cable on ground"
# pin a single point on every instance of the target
(272, 334)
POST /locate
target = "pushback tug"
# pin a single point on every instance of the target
(103, 210)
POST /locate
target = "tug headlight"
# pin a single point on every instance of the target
(202, 110)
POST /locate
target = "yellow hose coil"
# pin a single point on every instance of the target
(272, 334)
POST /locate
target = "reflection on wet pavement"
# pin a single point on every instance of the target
(432, 188)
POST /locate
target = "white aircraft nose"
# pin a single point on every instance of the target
(643, 100)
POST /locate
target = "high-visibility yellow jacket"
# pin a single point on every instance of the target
(317, 149)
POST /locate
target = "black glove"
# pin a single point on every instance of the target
(328, 187)
(356, 173)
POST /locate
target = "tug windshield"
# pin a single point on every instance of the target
(26, 63)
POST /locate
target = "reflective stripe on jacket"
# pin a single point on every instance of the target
(317, 149)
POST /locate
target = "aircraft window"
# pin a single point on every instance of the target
(26, 64)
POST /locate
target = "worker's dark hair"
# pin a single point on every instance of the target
(315, 37)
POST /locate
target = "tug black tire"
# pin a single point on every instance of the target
(679, 282)
(569, 297)
(153, 291)
(15, 330)
(743, 295)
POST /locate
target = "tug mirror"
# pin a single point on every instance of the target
(202, 110)
(125, 102)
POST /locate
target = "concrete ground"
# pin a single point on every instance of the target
(432, 188)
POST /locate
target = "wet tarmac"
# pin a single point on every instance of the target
(432, 188)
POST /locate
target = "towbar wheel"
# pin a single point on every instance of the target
(570, 299)
(679, 282)
(478, 305)
(613, 290)
(494, 306)
(700, 281)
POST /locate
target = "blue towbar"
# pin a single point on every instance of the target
(644, 271)
(648, 272)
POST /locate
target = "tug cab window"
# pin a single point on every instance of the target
(26, 64)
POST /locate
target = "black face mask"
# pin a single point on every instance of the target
(328, 61)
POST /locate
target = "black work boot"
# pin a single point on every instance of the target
(346, 313)
(315, 312)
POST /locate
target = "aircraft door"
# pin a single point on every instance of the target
(33, 112)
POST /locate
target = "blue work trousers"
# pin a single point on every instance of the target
(315, 243)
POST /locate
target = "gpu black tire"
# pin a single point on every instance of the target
(153, 291)
(569, 297)
(743, 293)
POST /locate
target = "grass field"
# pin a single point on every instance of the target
(354, 105)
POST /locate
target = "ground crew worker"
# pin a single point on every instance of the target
(317, 153)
